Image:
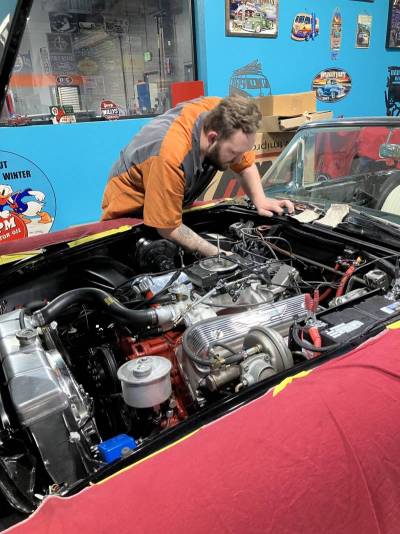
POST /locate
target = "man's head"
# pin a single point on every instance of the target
(229, 131)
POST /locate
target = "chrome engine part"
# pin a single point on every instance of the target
(47, 399)
(201, 340)
(146, 381)
(273, 356)
(206, 293)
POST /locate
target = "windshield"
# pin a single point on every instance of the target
(337, 164)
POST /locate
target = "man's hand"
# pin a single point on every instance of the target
(269, 206)
(251, 183)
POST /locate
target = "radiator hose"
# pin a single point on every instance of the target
(100, 300)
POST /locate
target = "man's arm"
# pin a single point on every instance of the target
(251, 183)
(189, 240)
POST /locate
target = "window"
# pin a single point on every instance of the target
(83, 52)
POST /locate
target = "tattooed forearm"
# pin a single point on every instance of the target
(188, 239)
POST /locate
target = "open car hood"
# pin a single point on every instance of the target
(13, 17)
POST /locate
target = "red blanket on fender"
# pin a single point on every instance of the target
(320, 454)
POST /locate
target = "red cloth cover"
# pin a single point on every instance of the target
(320, 456)
(62, 236)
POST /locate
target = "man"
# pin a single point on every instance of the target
(174, 158)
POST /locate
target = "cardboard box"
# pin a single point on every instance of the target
(287, 105)
(267, 147)
(276, 123)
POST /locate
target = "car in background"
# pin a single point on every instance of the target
(258, 22)
(331, 90)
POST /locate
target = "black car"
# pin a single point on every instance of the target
(116, 345)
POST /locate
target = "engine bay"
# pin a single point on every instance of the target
(104, 347)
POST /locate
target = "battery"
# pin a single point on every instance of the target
(343, 325)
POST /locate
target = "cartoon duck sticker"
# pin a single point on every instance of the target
(336, 33)
(18, 204)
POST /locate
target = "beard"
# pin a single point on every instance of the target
(213, 158)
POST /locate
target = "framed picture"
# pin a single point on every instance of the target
(251, 19)
(393, 26)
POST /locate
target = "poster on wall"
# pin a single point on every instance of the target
(363, 31)
(27, 200)
(249, 80)
(392, 92)
(305, 27)
(393, 25)
(331, 85)
(251, 19)
(63, 22)
(336, 33)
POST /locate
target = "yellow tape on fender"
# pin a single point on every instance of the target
(148, 457)
(12, 258)
(280, 387)
(100, 235)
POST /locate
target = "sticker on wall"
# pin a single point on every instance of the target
(59, 44)
(63, 22)
(305, 26)
(109, 110)
(251, 19)
(392, 93)
(363, 32)
(393, 26)
(331, 85)
(62, 114)
(249, 80)
(27, 200)
(336, 33)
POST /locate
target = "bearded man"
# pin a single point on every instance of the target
(173, 159)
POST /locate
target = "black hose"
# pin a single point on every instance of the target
(100, 300)
(388, 267)
(308, 346)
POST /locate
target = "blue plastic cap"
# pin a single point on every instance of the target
(111, 449)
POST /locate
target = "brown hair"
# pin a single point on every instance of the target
(233, 113)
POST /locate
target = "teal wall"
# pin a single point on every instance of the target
(76, 158)
(290, 66)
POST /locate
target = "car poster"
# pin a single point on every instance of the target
(251, 19)
(331, 85)
(336, 33)
(27, 200)
(393, 26)
(392, 92)
(363, 31)
(305, 26)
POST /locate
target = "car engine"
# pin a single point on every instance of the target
(99, 370)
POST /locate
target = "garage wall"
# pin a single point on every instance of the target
(74, 159)
(290, 66)
(69, 163)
